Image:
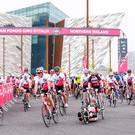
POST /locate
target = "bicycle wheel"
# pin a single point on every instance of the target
(1, 116)
(26, 107)
(110, 102)
(102, 110)
(63, 106)
(121, 97)
(114, 100)
(75, 93)
(86, 117)
(60, 106)
(55, 117)
(46, 116)
(128, 98)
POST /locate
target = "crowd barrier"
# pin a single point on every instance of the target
(6, 93)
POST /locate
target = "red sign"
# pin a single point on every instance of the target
(60, 31)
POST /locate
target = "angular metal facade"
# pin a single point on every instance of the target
(13, 45)
(78, 43)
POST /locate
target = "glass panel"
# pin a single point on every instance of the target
(34, 39)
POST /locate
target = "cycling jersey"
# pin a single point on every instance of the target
(85, 80)
(25, 83)
(25, 75)
(45, 87)
(111, 81)
(51, 80)
(77, 79)
(130, 79)
(94, 80)
(59, 79)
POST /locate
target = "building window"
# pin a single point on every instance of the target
(34, 39)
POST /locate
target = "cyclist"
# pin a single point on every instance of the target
(25, 85)
(59, 82)
(26, 73)
(111, 83)
(77, 80)
(41, 82)
(1, 80)
(130, 80)
(97, 84)
(51, 79)
(84, 84)
(72, 78)
(120, 82)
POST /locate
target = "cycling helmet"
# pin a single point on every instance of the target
(37, 70)
(57, 69)
(111, 74)
(129, 71)
(52, 71)
(40, 69)
(45, 71)
(115, 73)
(85, 71)
(26, 69)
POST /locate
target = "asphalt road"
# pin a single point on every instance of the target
(118, 121)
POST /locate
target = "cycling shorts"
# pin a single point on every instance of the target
(44, 92)
(28, 90)
(98, 88)
(59, 88)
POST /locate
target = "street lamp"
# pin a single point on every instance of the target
(3, 57)
(110, 57)
(47, 44)
(21, 53)
(87, 25)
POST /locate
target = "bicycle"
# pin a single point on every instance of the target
(87, 114)
(121, 93)
(84, 115)
(100, 104)
(1, 115)
(129, 94)
(77, 91)
(26, 101)
(61, 104)
(113, 98)
(47, 114)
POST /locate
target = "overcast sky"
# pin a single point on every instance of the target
(77, 8)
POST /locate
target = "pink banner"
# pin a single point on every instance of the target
(123, 66)
(1, 95)
(6, 93)
(60, 31)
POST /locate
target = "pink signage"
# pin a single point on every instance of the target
(60, 31)
(123, 66)
(91, 32)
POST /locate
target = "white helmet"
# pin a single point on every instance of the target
(85, 71)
